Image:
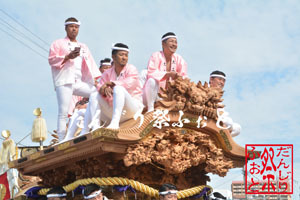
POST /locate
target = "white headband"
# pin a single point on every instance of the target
(69, 22)
(92, 195)
(218, 75)
(120, 49)
(169, 36)
(168, 192)
(105, 63)
(56, 195)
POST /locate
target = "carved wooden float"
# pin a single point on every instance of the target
(180, 155)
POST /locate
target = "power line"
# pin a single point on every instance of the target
(24, 27)
(21, 34)
(24, 44)
(23, 138)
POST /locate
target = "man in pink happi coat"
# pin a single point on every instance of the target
(217, 79)
(120, 94)
(73, 71)
(162, 66)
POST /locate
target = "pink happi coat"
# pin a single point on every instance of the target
(128, 78)
(65, 73)
(157, 67)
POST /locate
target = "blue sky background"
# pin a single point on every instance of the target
(256, 42)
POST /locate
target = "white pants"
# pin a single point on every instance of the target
(75, 123)
(150, 93)
(124, 107)
(64, 96)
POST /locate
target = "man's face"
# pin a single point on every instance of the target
(98, 197)
(121, 58)
(168, 197)
(103, 68)
(72, 31)
(217, 82)
(170, 45)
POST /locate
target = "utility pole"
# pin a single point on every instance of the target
(244, 172)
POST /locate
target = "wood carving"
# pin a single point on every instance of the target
(182, 94)
(176, 152)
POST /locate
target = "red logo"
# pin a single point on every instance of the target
(269, 169)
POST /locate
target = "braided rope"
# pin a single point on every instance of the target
(111, 181)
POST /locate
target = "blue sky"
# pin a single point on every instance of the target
(255, 42)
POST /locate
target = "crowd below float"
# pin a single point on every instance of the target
(95, 192)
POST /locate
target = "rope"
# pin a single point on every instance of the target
(111, 181)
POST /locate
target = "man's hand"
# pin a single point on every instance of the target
(110, 84)
(107, 89)
(73, 54)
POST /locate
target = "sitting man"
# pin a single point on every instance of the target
(56, 193)
(168, 192)
(93, 192)
(217, 79)
(104, 65)
(162, 66)
(120, 94)
(79, 111)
